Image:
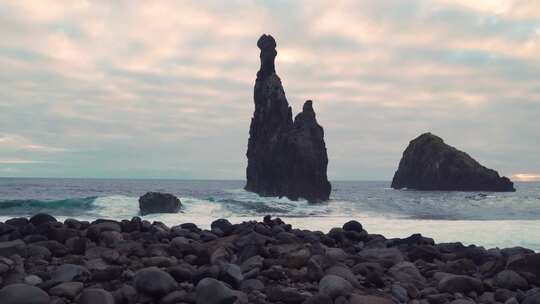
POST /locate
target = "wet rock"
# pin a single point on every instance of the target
(23, 294)
(222, 224)
(367, 299)
(33, 280)
(399, 293)
(42, 218)
(252, 284)
(460, 283)
(286, 295)
(154, 282)
(526, 263)
(95, 295)
(231, 274)
(425, 253)
(509, 279)
(430, 164)
(334, 286)
(156, 202)
(299, 258)
(69, 273)
(212, 291)
(12, 247)
(532, 298)
(57, 249)
(385, 256)
(353, 226)
(319, 299)
(125, 295)
(502, 294)
(181, 273)
(39, 252)
(461, 266)
(407, 272)
(67, 290)
(343, 272)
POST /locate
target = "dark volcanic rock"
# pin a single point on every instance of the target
(153, 281)
(23, 294)
(212, 291)
(285, 157)
(95, 295)
(259, 263)
(430, 164)
(156, 202)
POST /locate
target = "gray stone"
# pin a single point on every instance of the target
(11, 247)
(154, 282)
(406, 272)
(231, 273)
(509, 279)
(33, 280)
(252, 284)
(460, 283)
(365, 299)
(532, 298)
(95, 296)
(319, 299)
(212, 291)
(70, 272)
(155, 202)
(334, 286)
(385, 256)
(344, 272)
(399, 293)
(23, 294)
(67, 289)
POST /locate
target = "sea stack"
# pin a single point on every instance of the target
(429, 163)
(285, 157)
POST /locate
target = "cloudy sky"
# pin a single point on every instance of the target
(163, 89)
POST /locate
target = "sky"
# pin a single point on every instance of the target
(164, 89)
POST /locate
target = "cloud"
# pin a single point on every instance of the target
(16, 142)
(19, 161)
(164, 89)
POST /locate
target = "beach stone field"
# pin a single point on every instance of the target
(46, 261)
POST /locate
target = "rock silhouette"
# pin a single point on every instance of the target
(285, 157)
(430, 164)
(156, 202)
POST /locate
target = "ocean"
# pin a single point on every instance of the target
(482, 218)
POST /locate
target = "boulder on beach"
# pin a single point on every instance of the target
(23, 294)
(157, 202)
(285, 157)
(429, 163)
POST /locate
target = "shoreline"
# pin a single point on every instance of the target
(489, 234)
(268, 261)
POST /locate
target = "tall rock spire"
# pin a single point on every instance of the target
(285, 157)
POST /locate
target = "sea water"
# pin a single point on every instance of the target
(482, 218)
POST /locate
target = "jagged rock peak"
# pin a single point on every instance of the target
(285, 157)
(267, 44)
(429, 163)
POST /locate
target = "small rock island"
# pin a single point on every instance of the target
(429, 163)
(286, 157)
(157, 202)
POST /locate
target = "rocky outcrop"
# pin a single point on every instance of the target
(430, 164)
(285, 157)
(156, 202)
